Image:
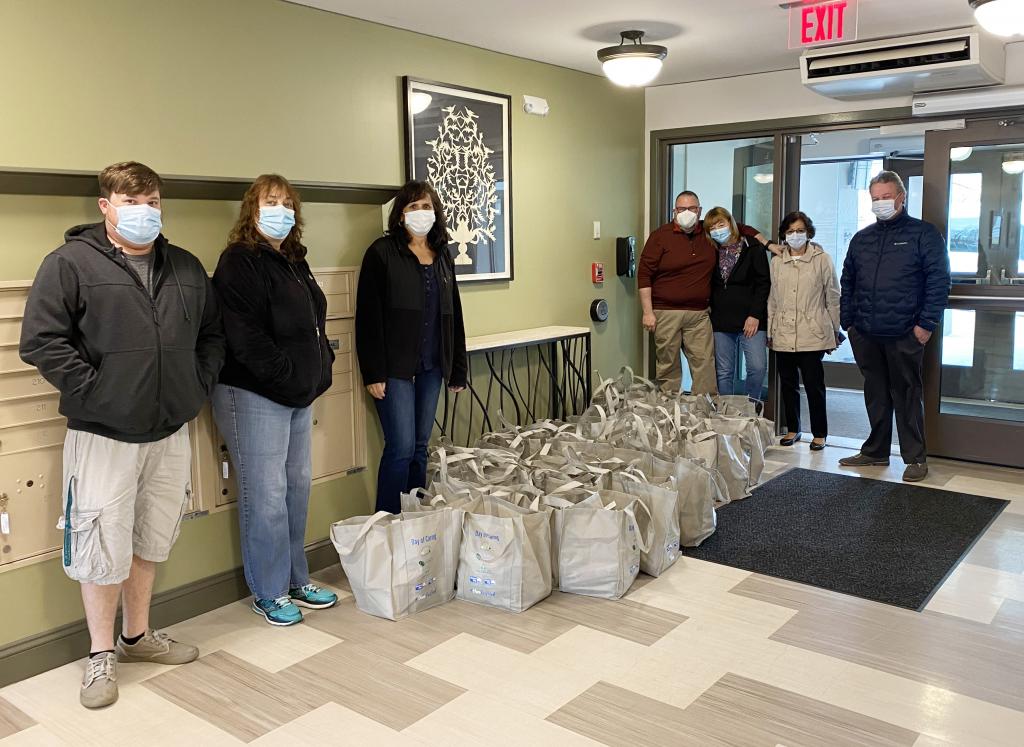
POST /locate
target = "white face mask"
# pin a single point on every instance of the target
(796, 240)
(884, 209)
(419, 222)
(686, 219)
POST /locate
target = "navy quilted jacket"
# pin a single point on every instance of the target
(896, 276)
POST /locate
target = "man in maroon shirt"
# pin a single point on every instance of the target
(675, 289)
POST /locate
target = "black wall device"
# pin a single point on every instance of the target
(625, 256)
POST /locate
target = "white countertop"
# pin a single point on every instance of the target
(522, 337)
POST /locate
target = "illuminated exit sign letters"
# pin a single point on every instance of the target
(814, 22)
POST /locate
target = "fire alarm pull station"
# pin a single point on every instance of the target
(597, 272)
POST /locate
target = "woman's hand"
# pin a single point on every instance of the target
(750, 326)
(455, 389)
(376, 390)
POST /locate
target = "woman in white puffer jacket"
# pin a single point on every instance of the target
(803, 324)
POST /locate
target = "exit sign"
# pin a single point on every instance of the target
(814, 22)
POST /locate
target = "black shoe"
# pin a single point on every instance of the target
(818, 447)
(790, 441)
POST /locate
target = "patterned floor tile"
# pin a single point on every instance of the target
(734, 711)
(978, 660)
(237, 630)
(392, 694)
(334, 724)
(487, 668)
(233, 695)
(476, 719)
(12, 720)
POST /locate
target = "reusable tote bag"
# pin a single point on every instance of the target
(599, 548)
(505, 556)
(698, 494)
(399, 565)
(663, 502)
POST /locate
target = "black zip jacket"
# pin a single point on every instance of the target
(745, 293)
(274, 320)
(128, 365)
(389, 314)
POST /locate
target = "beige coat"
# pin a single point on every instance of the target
(803, 308)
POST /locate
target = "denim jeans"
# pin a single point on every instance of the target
(407, 418)
(269, 445)
(755, 355)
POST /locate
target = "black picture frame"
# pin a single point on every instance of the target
(476, 187)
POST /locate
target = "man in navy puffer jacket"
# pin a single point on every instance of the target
(894, 289)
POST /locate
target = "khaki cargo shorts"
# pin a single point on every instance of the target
(120, 500)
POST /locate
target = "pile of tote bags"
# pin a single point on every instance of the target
(580, 506)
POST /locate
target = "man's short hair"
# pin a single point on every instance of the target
(688, 193)
(889, 177)
(129, 178)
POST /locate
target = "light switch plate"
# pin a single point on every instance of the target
(597, 229)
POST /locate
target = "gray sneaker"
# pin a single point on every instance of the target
(863, 460)
(99, 683)
(915, 472)
(156, 647)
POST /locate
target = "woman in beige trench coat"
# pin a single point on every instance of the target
(803, 324)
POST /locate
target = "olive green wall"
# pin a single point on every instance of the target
(241, 87)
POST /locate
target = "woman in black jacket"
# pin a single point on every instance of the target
(409, 335)
(278, 362)
(740, 287)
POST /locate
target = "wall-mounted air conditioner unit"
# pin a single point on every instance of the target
(971, 100)
(940, 61)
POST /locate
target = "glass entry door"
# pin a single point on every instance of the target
(974, 376)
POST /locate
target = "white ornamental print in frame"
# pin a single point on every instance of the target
(459, 140)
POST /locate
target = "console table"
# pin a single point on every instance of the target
(532, 374)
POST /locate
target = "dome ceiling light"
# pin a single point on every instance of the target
(635, 64)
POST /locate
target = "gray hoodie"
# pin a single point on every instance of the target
(128, 365)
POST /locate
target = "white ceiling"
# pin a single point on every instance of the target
(711, 39)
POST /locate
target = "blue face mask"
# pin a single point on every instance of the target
(138, 224)
(276, 221)
(721, 235)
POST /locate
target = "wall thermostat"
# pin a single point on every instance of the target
(599, 310)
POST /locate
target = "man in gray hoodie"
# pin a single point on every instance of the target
(126, 326)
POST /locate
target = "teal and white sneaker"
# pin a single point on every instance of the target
(313, 596)
(278, 611)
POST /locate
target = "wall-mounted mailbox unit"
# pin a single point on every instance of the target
(32, 431)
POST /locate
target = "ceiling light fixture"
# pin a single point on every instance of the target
(999, 17)
(632, 65)
(1013, 163)
(960, 153)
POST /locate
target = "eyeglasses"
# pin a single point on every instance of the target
(695, 209)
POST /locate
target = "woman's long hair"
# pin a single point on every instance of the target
(717, 214)
(412, 191)
(245, 231)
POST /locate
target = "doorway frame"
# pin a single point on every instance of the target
(787, 134)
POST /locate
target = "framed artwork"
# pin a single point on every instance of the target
(460, 140)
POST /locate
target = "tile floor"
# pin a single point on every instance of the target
(704, 655)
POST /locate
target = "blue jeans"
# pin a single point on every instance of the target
(269, 445)
(407, 418)
(755, 354)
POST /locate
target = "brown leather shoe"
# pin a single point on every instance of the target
(863, 460)
(915, 472)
